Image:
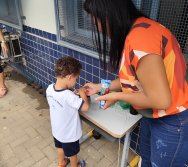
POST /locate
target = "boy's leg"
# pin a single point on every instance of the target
(62, 161)
(60, 156)
(71, 150)
(74, 161)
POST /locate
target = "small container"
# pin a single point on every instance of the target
(124, 105)
(105, 88)
(133, 111)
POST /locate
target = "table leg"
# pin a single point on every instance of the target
(86, 136)
(125, 153)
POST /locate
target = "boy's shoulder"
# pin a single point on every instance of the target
(66, 92)
(70, 92)
(49, 87)
(70, 95)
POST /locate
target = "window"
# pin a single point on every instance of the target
(171, 14)
(10, 13)
(74, 26)
(74, 23)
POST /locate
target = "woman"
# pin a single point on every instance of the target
(151, 78)
(3, 88)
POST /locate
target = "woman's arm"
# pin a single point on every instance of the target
(156, 92)
(115, 85)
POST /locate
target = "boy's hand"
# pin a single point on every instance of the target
(82, 91)
(76, 92)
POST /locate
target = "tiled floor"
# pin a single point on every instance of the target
(25, 133)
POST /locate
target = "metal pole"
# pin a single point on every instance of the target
(125, 153)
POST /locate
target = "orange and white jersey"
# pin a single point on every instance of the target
(149, 37)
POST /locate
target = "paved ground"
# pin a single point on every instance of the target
(25, 133)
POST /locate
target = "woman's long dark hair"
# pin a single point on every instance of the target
(120, 16)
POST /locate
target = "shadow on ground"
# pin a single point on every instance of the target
(12, 74)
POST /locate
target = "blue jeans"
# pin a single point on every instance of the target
(164, 141)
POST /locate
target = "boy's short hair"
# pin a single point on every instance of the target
(66, 66)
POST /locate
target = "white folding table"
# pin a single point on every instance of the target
(113, 123)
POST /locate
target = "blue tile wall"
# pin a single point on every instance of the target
(135, 139)
(134, 144)
(42, 51)
(40, 33)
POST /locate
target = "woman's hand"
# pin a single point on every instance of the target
(110, 99)
(92, 88)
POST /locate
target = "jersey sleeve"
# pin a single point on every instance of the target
(74, 101)
(142, 42)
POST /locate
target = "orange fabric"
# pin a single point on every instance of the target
(147, 37)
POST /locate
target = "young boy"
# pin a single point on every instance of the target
(64, 111)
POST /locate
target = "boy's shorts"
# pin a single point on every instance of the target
(70, 149)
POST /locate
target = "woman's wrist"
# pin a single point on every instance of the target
(118, 96)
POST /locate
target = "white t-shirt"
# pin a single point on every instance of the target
(64, 114)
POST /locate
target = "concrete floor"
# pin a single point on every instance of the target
(25, 132)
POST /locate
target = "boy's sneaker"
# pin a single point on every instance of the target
(82, 163)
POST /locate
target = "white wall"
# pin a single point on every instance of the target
(39, 14)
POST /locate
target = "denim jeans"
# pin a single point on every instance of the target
(164, 141)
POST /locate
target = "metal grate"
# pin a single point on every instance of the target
(171, 13)
(77, 39)
(14, 54)
(84, 21)
(74, 24)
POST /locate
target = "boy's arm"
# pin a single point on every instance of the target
(86, 104)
